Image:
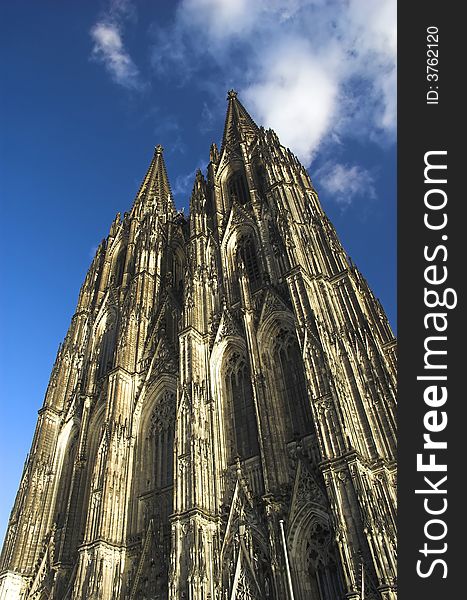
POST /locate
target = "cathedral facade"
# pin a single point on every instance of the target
(220, 418)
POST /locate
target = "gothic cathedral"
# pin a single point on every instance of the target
(220, 418)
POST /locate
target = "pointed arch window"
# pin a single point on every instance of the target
(177, 271)
(107, 345)
(63, 492)
(261, 179)
(119, 268)
(316, 563)
(162, 435)
(238, 385)
(246, 251)
(154, 486)
(237, 188)
(290, 384)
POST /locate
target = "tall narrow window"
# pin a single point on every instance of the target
(247, 252)
(154, 474)
(107, 345)
(319, 577)
(163, 429)
(177, 276)
(61, 503)
(291, 385)
(237, 188)
(245, 431)
(261, 180)
(119, 268)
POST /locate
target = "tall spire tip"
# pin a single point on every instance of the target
(231, 95)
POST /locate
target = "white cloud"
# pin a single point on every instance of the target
(108, 46)
(109, 50)
(224, 21)
(221, 18)
(207, 119)
(184, 183)
(313, 70)
(120, 10)
(297, 96)
(345, 183)
(372, 23)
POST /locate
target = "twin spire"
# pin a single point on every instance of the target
(156, 188)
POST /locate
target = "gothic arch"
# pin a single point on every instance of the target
(313, 555)
(246, 564)
(119, 267)
(242, 245)
(239, 222)
(152, 491)
(278, 247)
(227, 343)
(105, 333)
(232, 387)
(281, 356)
(176, 267)
(154, 428)
(233, 184)
(66, 451)
(236, 187)
(93, 440)
(261, 177)
(118, 255)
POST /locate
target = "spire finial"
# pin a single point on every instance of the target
(214, 153)
(238, 122)
(158, 149)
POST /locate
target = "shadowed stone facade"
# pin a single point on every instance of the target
(220, 419)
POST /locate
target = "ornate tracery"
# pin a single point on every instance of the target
(290, 384)
(161, 434)
(215, 310)
(237, 188)
(244, 439)
(314, 561)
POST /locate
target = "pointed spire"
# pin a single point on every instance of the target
(238, 122)
(198, 195)
(115, 225)
(199, 179)
(214, 153)
(155, 189)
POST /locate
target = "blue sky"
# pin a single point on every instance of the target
(88, 89)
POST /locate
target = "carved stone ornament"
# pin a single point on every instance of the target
(248, 314)
(163, 416)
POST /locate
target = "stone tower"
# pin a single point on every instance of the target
(220, 418)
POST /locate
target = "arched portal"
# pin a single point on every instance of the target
(153, 492)
(313, 556)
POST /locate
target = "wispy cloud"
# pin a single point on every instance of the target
(122, 10)
(345, 183)
(168, 132)
(207, 119)
(296, 95)
(184, 185)
(314, 70)
(109, 49)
